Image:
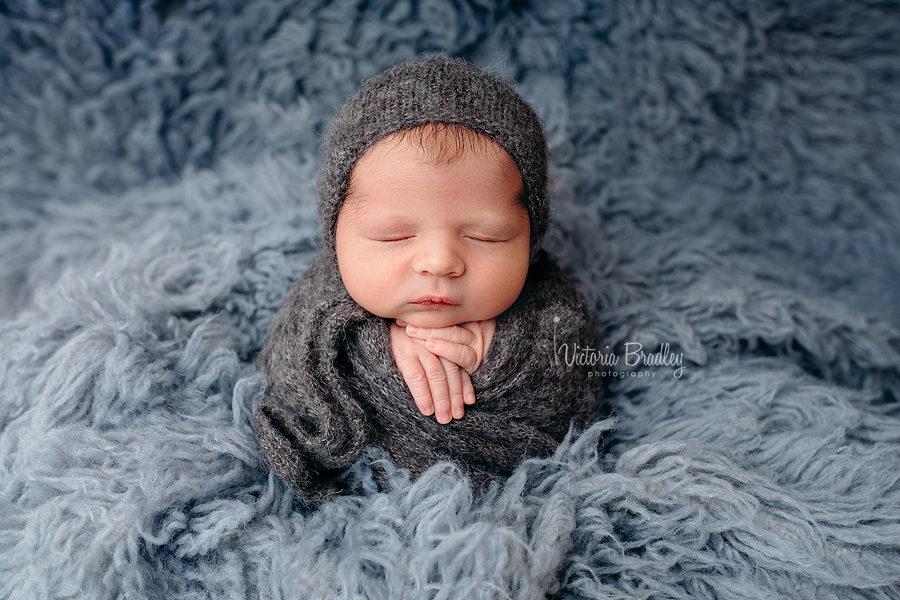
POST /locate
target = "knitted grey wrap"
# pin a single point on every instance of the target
(438, 89)
(333, 388)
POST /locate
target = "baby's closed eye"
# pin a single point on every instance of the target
(489, 234)
(389, 233)
(393, 239)
(485, 238)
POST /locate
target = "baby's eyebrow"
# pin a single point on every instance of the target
(353, 203)
(387, 225)
(381, 222)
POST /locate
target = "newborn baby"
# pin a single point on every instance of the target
(431, 295)
(433, 233)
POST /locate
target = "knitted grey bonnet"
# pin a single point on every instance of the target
(437, 89)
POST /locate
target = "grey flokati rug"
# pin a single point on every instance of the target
(726, 194)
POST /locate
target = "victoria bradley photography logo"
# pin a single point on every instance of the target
(606, 364)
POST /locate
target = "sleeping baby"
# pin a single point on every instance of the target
(429, 324)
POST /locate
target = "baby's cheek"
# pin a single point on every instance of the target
(500, 293)
(367, 286)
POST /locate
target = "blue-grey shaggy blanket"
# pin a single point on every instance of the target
(726, 194)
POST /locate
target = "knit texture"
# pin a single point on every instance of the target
(436, 89)
(725, 182)
(333, 389)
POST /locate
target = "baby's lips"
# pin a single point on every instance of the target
(435, 301)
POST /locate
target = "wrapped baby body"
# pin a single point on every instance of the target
(334, 389)
(433, 203)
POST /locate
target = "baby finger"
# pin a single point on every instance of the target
(468, 388)
(453, 334)
(437, 384)
(455, 387)
(462, 355)
(417, 382)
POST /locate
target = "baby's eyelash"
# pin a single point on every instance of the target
(474, 238)
(395, 239)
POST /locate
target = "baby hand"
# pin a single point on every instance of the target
(438, 385)
(464, 344)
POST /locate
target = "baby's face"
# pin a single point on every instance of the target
(433, 244)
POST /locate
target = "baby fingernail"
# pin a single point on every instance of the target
(412, 329)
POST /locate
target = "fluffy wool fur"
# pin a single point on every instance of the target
(725, 184)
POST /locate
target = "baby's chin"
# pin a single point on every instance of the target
(434, 319)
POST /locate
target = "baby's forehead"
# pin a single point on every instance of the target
(403, 161)
(435, 145)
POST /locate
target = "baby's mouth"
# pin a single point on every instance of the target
(435, 301)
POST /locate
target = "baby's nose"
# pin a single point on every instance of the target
(439, 257)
